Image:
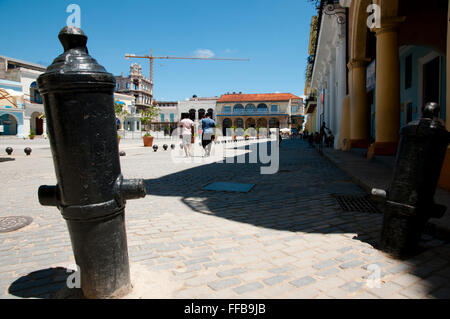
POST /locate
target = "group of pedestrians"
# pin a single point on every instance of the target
(323, 137)
(188, 136)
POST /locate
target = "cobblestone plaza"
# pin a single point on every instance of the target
(285, 238)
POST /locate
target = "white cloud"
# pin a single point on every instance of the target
(204, 53)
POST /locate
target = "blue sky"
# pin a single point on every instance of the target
(273, 34)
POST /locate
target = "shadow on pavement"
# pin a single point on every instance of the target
(299, 198)
(6, 159)
(50, 283)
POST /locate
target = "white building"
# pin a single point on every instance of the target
(19, 119)
(329, 73)
(197, 107)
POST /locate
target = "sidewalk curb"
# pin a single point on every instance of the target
(431, 228)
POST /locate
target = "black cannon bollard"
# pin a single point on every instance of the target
(27, 151)
(410, 198)
(91, 192)
(165, 147)
(9, 150)
(155, 147)
(172, 146)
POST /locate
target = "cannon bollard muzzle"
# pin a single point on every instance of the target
(381, 193)
(48, 195)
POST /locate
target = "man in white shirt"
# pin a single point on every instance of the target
(187, 130)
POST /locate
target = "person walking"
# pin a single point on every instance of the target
(187, 131)
(208, 136)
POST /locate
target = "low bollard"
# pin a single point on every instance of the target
(27, 151)
(410, 198)
(9, 150)
(90, 192)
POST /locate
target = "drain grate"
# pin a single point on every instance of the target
(12, 223)
(351, 203)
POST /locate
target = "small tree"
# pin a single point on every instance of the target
(148, 115)
(121, 111)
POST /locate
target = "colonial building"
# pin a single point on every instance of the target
(197, 107)
(272, 110)
(376, 63)
(168, 116)
(136, 85)
(21, 108)
(132, 121)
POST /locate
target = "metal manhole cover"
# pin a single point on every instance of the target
(351, 203)
(12, 223)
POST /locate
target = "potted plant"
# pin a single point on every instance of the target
(234, 132)
(146, 118)
(32, 135)
(147, 139)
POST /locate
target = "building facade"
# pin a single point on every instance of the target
(375, 65)
(272, 110)
(21, 108)
(137, 86)
(197, 107)
(168, 117)
(131, 122)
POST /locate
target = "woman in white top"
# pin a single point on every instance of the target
(187, 130)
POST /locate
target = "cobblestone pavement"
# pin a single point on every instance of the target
(286, 238)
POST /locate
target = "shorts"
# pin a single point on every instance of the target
(207, 138)
(187, 139)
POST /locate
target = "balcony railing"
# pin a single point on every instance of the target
(251, 112)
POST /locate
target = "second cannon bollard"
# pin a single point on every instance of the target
(410, 198)
(90, 192)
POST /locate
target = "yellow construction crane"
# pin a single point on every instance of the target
(151, 58)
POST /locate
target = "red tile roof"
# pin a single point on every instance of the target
(267, 97)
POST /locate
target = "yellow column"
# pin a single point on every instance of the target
(444, 180)
(359, 114)
(344, 131)
(387, 108)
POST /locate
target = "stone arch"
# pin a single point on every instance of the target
(192, 113)
(226, 124)
(359, 30)
(262, 122)
(274, 123)
(239, 122)
(238, 108)
(36, 123)
(250, 122)
(10, 124)
(262, 107)
(201, 113)
(250, 108)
